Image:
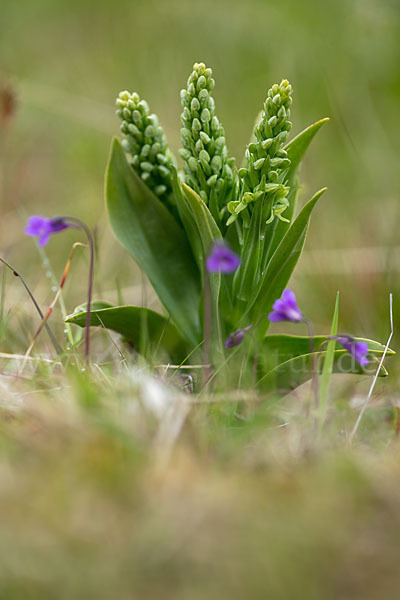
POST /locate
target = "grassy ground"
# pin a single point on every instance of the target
(113, 484)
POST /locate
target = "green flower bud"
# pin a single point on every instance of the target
(145, 151)
(196, 125)
(216, 163)
(205, 115)
(164, 172)
(259, 163)
(205, 166)
(185, 154)
(162, 159)
(192, 162)
(160, 190)
(146, 166)
(211, 181)
(273, 121)
(194, 105)
(204, 156)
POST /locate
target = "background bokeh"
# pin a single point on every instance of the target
(67, 61)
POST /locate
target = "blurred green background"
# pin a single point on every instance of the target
(67, 62)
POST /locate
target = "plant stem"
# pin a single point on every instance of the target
(56, 345)
(77, 223)
(206, 329)
(314, 378)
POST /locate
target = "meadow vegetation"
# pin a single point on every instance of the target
(125, 476)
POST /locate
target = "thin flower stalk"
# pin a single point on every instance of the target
(42, 228)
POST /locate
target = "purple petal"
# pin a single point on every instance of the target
(222, 259)
(42, 227)
(44, 238)
(289, 297)
(286, 308)
(57, 224)
(237, 337)
(275, 317)
(358, 350)
(279, 305)
(37, 225)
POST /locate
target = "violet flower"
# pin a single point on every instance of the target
(286, 309)
(42, 227)
(237, 337)
(222, 259)
(358, 350)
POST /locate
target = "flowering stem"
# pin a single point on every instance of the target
(57, 296)
(314, 379)
(54, 281)
(56, 345)
(78, 224)
(206, 329)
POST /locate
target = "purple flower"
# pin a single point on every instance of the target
(286, 309)
(42, 227)
(358, 350)
(236, 337)
(222, 259)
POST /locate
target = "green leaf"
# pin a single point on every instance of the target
(144, 328)
(296, 150)
(208, 232)
(286, 360)
(248, 271)
(323, 391)
(207, 228)
(280, 268)
(188, 220)
(154, 239)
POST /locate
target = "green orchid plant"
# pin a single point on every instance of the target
(170, 220)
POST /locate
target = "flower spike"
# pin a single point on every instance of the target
(208, 170)
(265, 176)
(145, 141)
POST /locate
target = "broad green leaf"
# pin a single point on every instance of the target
(208, 232)
(154, 239)
(280, 268)
(188, 220)
(327, 368)
(207, 228)
(144, 328)
(286, 361)
(296, 150)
